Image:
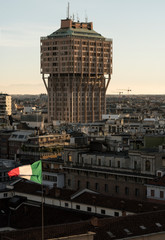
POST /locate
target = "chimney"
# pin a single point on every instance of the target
(95, 221)
(47, 190)
(140, 205)
(57, 192)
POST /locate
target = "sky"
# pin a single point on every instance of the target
(136, 27)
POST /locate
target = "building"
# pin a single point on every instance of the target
(156, 187)
(16, 142)
(5, 105)
(5, 166)
(76, 65)
(115, 173)
(83, 215)
(42, 147)
(4, 143)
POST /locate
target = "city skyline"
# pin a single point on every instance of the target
(136, 28)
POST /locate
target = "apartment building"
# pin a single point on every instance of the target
(5, 105)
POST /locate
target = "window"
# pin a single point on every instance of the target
(161, 194)
(147, 166)
(78, 183)
(142, 227)
(137, 192)
(87, 184)
(116, 214)
(159, 174)
(118, 164)
(91, 161)
(69, 158)
(152, 193)
(106, 187)
(96, 186)
(135, 165)
(102, 211)
(126, 191)
(158, 224)
(127, 231)
(89, 209)
(5, 194)
(99, 162)
(117, 189)
(66, 204)
(69, 182)
(78, 207)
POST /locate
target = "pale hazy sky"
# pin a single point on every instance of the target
(137, 28)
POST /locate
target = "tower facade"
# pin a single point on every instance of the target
(76, 66)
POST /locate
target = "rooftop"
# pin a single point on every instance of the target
(71, 28)
(160, 181)
(90, 198)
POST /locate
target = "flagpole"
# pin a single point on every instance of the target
(42, 212)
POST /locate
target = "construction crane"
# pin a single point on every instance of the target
(128, 90)
(119, 93)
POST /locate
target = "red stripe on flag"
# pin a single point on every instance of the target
(14, 172)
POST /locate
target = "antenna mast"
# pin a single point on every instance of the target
(68, 11)
(86, 17)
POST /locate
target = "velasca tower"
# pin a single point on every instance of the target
(76, 66)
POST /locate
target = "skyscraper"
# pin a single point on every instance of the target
(76, 66)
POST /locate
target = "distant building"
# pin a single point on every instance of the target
(16, 141)
(5, 105)
(77, 62)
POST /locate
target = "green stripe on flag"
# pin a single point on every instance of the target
(37, 172)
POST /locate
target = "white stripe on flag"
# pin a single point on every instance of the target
(25, 171)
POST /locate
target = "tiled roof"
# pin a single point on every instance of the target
(117, 203)
(87, 198)
(157, 182)
(75, 32)
(129, 226)
(28, 187)
(107, 229)
(49, 231)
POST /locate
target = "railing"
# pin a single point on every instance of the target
(108, 39)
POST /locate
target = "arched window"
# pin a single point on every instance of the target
(147, 166)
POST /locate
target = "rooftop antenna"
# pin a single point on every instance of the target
(77, 18)
(86, 17)
(73, 17)
(68, 11)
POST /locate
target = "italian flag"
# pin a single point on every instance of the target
(30, 172)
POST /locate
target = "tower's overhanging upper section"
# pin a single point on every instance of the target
(75, 48)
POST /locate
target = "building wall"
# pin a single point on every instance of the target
(111, 184)
(156, 192)
(52, 179)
